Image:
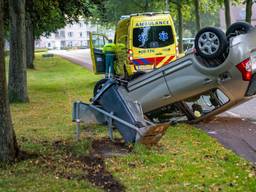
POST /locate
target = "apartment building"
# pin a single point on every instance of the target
(74, 35)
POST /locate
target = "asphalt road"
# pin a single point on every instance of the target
(235, 129)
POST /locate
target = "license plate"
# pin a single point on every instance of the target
(145, 67)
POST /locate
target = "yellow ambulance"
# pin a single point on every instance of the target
(144, 41)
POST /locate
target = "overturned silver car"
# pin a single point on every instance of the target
(217, 75)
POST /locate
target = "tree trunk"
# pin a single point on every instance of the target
(227, 13)
(197, 14)
(167, 5)
(8, 144)
(29, 42)
(146, 6)
(17, 86)
(180, 27)
(248, 17)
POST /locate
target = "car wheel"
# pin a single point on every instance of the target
(211, 43)
(98, 86)
(238, 28)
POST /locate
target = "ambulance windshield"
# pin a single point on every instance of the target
(152, 36)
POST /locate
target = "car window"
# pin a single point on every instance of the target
(99, 41)
(152, 36)
(207, 102)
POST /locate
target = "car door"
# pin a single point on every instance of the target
(97, 42)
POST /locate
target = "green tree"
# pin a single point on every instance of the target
(180, 24)
(179, 6)
(42, 18)
(8, 144)
(167, 5)
(197, 14)
(227, 13)
(112, 10)
(46, 16)
(30, 38)
(17, 86)
(248, 16)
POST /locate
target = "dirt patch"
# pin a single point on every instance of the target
(107, 148)
(99, 176)
(23, 156)
(64, 164)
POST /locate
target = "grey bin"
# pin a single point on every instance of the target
(115, 101)
(100, 61)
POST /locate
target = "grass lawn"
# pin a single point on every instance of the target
(186, 159)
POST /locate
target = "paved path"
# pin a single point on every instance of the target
(234, 133)
(78, 56)
(246, 111)
(235, 129)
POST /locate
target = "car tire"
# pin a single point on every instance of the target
(98, 86)
(211, 43)
(238, 28)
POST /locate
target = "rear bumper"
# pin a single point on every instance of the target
(252, 87)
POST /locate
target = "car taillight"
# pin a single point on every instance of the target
(245, 67)
(130, 55)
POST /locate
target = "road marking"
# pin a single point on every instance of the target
(233, 114)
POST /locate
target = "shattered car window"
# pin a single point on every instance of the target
(207, 102)
(152, 36)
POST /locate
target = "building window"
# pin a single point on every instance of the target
(62, 44)
(62, 34)
(81, 34)
(57, 35)
(70, 44)
(81, 24)
(70, 34)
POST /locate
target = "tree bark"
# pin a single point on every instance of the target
(8, 144)
(180, 27)
(17, 87)
(30, 42)
(146, 6)
(248, 17)
(167, 5)
(197, 14)
(227, 13)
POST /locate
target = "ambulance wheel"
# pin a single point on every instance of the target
(238, 28)
(211, 43)
(98, 86)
